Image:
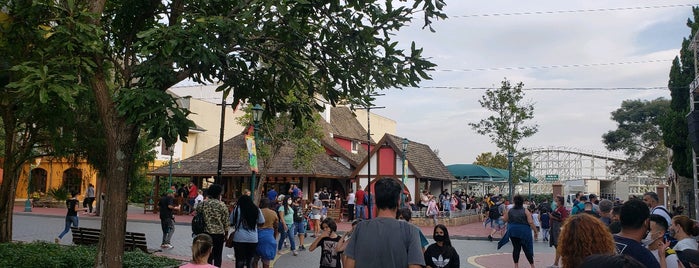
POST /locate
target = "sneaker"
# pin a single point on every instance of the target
(490, 238)
(295, 253)
(168, 246)
(57, 240)
(163, 246)
(302, 248)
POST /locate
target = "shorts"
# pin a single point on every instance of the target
(300, 227)
(316, 216)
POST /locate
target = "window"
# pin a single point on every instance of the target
(73, 179)
(355, 146)
(39, 180)
(164, 150)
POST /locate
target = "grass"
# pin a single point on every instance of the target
(49, 255)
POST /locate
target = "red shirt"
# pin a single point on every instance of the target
(193, 192)
(359, 197)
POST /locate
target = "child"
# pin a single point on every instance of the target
(328, 241)
(202, 245)
(544, 219)
(537, 222)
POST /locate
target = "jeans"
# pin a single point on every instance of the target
(290, 232)
(360, 212)
(69, 220)
(168, 226)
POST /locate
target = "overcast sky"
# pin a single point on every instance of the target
(629, 44)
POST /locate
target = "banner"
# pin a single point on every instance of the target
(252, 152)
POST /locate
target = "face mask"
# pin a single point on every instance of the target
(672, 232)
(439, 238)
(647, 240)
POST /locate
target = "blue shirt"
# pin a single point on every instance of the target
(636, 250)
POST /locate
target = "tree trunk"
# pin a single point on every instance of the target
(121, 141)
(8, 187)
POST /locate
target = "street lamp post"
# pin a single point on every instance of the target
(28, 203)
(510, 158)
(256, 116)
(529, 178)
(405, 150)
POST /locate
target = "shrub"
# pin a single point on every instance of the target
(43, 254)
(60, 194)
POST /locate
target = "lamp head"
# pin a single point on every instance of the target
(405, 144)
(257, 112)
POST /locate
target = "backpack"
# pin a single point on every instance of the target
(198, 223)
(494, 212)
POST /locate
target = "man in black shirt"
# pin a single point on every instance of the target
(167, 221)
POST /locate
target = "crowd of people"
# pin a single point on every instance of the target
(639, 232)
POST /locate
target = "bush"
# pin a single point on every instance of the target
(60, 194)
(43, 254)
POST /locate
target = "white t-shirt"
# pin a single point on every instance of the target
(350, 199)
(198, 199)
(687, 243)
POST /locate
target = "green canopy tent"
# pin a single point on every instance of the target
(476, 173)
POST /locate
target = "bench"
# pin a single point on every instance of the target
(90, 236)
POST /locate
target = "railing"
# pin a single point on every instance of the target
(446, 214)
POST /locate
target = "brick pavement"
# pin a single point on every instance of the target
(472, 231)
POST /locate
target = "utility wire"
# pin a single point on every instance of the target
(552, 66)
(571, 11)
(550, 88)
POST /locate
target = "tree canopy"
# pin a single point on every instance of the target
(280, 54)
(639, 136)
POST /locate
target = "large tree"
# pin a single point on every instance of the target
(261, 51)
(675, 133)
(639, 136)
(488, 159)
(506, 126)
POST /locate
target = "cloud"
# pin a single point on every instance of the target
(651, 37)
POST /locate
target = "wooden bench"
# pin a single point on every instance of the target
(90, 236)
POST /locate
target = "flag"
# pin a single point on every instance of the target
(252, 152)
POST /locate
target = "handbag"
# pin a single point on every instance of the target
(229, 240)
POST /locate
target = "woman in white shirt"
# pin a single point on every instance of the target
(683, 229)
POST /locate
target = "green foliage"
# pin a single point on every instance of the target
(60, 193)
(506, 126)
(487, 159)
(675, 132)
(42, 254)
(639, 136)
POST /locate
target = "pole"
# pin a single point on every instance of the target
(28, 204)
(368, 170)
(170, 175)
(219, 179)
(402, 192)
(253, 180)
(529, 173)
(510, 157)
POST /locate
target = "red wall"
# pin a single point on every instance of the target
(344, 143)
(387, 161)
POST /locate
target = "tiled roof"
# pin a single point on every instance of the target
(235, 163)
(343, 123)
(421, 159)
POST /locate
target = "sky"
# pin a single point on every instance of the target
(612, 45)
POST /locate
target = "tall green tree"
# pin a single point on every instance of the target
(506, 126)
(639, 136)
(675, 132)
(261, 51)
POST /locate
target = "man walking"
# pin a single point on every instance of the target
(385, 241)
(359, 203)
(167, 221)
(216, 219)
(350, 204)
(653, 202)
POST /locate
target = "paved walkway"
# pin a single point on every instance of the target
(473, 231)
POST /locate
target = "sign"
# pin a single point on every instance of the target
(252, 152)
(551, 177)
